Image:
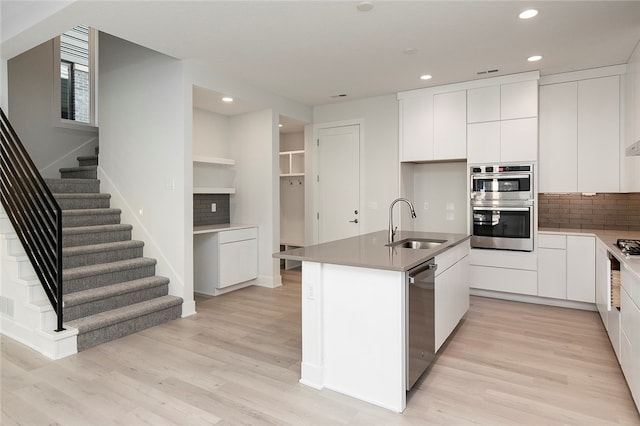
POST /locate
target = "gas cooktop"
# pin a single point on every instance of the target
(629, 247)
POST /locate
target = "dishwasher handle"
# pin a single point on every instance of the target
(420, 272)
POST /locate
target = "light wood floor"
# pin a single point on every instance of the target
(237, 362)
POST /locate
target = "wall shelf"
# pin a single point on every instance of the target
(213, 190)
(214, 160)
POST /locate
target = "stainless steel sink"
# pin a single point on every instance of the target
(417, 243)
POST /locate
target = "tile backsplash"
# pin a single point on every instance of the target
(615, 211)
(202, 214)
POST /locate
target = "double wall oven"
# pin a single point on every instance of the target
(502, 207)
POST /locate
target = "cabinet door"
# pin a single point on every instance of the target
(603, 294)
(519, 140)
(519, 100)
(581, 272)
(416, 121)
(483, 104)
(483, 142)
(558, 168)
(552, 273)
(450, 125)
(599, 135)
(238, 262)
(451, 299)
(628, 322)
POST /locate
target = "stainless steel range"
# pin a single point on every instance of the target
(629, 247)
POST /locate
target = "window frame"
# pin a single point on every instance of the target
(57, 119)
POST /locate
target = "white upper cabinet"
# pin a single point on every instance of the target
(433, 126)
(416, 128)
(558, 169)
(450, 125)
(502, 122)
(599, 135)
(580, 136)
(483, 104)
(519, 100)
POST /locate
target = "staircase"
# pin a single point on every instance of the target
(110, 289)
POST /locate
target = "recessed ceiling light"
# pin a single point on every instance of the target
(534, 58)
(364, 6)
(279, 125)
(527, 14)
(425, 77)
(227, 99)
(410, 51)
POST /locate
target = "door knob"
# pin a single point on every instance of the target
(354, 221)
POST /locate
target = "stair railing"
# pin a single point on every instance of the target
(34, 213)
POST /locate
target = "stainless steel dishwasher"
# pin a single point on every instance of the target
(420, 320)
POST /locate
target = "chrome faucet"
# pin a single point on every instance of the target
(392, 230)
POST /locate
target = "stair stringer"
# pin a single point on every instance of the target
(139, 232)
(26, 315)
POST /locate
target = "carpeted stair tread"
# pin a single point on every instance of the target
(84, 212)
(87, 160)
(73, 185)
(81, 200)
(106, 268)
(78, 169)
(115, 316)
(86, 296)
(96, 229)
(99, 248)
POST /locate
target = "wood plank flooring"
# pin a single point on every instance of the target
(237, 362)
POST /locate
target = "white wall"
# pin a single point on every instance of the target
(291, 141)
(144, 145)
(210, 134)
(443, 187)
(378, 154)
(254, 142)
(30, 102)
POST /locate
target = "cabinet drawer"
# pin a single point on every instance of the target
(451, 256)
(552, 241)
(238, 235)
(502, 279)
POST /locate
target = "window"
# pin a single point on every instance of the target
(76, 75)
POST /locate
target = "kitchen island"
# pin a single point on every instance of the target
(355, 310)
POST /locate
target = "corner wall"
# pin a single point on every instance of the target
(143, 142)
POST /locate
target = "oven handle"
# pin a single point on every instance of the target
(503, 209)
(509, 176)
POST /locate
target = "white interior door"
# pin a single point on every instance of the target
(338, 182)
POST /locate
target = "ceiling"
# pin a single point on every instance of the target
(312, 51)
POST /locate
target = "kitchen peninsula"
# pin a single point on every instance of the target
(356, 310)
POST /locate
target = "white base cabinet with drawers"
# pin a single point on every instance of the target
(224, 259)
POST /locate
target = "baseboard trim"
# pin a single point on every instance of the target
(533, 299)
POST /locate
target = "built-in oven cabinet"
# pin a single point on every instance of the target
(502, 123)
(502, 141)
(603, 280)
(504, 271)
(566, 267)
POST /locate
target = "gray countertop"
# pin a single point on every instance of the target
(608, 238)
(206, 229)
(370, 251)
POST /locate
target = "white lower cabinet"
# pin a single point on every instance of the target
(566, 267)
(224, 258)
(504, 271)
(630, 331)
(451, 291)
